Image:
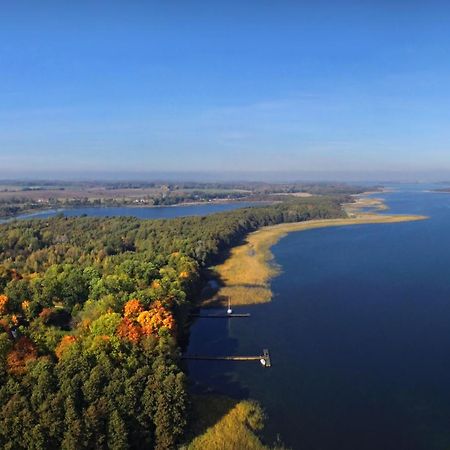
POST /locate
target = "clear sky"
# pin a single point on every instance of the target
(242, 85)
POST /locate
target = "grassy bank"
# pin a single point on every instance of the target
(220, 422)
(245, 275)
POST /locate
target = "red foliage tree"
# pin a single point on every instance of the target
(129, 330)
(23, 352)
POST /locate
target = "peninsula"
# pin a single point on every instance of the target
(245, 275)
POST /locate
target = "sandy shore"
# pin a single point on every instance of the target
(245, 275)
(374, 204)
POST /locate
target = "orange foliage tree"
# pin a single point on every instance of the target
(156, 318)
(64, 344)
(3, 304)
(23, 352)
(138, 322)
(129, 330)
(45, 314)
(132, 309)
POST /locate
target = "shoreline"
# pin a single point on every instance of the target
(31, 214)
(254, 257)
(245, 275)
(369, 204)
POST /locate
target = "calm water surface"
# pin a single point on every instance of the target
(159, 212)
(359, 334)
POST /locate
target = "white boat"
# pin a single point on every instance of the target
(229, 310)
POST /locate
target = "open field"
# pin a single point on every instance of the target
(97, 190)
(295, 194)
(72, 193)
(34, 191)
(246, 274)
(16, 199)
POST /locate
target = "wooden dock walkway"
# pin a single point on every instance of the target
(220, 316)
(264, 359)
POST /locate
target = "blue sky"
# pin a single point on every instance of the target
(285, 86)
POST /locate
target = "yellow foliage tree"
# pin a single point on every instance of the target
(25, 305)
(156, 318)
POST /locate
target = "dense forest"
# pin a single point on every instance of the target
(91, 312)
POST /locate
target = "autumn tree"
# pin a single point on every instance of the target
(129, 330)
(132, 309)
(22, 353)
(155, 319)
(3, 304)
(65, 343)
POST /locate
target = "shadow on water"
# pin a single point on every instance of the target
(212, 338)
(212, 280)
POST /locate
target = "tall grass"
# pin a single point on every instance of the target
(246, 273)
(221, 423)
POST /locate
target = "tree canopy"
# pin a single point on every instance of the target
(91, 311)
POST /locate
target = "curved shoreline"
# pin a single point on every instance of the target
(245, 276)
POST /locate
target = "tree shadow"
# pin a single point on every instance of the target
(206, 411)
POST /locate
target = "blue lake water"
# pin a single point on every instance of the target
(358, 331)
(158, 212)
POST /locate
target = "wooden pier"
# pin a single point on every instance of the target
(220, 316)
(227, 315)
(264, 359)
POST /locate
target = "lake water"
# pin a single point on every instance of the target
(141, 212)
(358, 331)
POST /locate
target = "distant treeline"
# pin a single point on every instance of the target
(319, 187)
(91, 311)
(21, 197)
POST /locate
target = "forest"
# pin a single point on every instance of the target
(92, 312)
